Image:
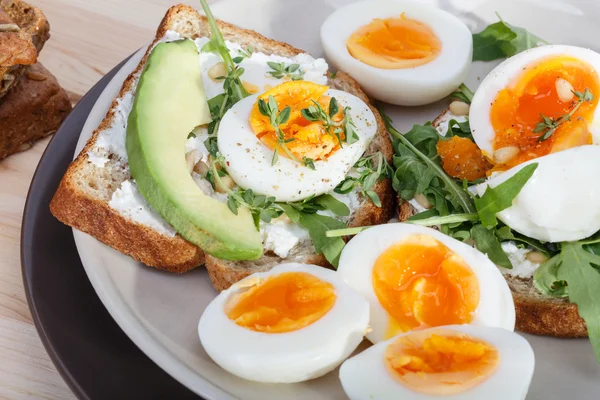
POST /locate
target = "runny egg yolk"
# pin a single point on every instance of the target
(282, 303)
(444, 362)
(394, 43)
(543, 89)
(305, 138)
(421, 283)
(462, 159)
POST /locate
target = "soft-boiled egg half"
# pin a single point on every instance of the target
(515, 97)
(416, 277)
(463, 362)
(561, 201)
(248, 140)
(293, 323)
(400, 52)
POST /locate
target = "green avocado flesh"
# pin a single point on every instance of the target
(169, 103)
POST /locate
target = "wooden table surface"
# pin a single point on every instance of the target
(89, 37)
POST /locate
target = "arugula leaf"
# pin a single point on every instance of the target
(580, 270)
(545, 278)
(292, 213)
(421, 134)
(501, 197)
(488, 243)
(506, 234)
(501, 40)
(317, 226)
(463, 93)
(333, 204)
(461, 129)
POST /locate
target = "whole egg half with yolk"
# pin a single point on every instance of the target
(401, 52)
(458, 361)
(538, 102)
(308, 154)
(293, 323)
(416, 278)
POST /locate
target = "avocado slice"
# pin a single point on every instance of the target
(169, 103)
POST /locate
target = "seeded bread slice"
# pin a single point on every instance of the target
(536, 313)
(23, 32)
(82, 198)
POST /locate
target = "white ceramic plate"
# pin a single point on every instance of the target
(160, 311)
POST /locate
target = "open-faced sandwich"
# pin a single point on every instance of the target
(249, 156)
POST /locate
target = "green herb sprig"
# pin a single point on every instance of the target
(244, 53)
(316, 112)
(271, 109)
(280, 70)
(368, 171)
(548, 125)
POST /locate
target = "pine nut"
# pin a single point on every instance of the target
(536, 257)
(459, 108)
(224, 184)
(505, 154)
(190, 159)
(24, 146)
(564, 90)
(422, 200)
(217, 71)
(201, 168)
(9, 28)
(250, 87)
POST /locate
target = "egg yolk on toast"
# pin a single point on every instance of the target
(305, 138)
(421, 283)
(394, 43)
(443, 362)
(282, 303)
(544, 90)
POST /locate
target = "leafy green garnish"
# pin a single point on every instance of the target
(243, 54)
(418, 168)
(317, 226)
(549, 124)
(368, 171)
(545, 279)
(488, 243)
(261, 207)
(309, 162)
(501, 40)
(501, 197)
(461, 129)
(280, 70)
(580, 269)
(505, 234)
(271, 109)
(316, 112)
(463, 93)
(432, 220)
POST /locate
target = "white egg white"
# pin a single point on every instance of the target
(561, 201)
(365, 376)
(508, 72)
(289, 357)
(496, 307)
(410, 86)
(248, 160)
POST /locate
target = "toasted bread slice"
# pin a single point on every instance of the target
(23, 32)
(35, 108)
(82, 199)
(536, 313)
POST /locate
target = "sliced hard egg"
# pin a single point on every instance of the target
(400, 52)
(453, 362)
(561, 201)
(293, 323)
(512, 111)
(416, 277)
(248, 140)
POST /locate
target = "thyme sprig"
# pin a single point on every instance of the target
(271, 109)
(316, 112)
(244, 53)
(280, 70)
(368, 171)
(548, 125)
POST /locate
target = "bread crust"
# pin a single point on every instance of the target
(32, 110)
(536, 313)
